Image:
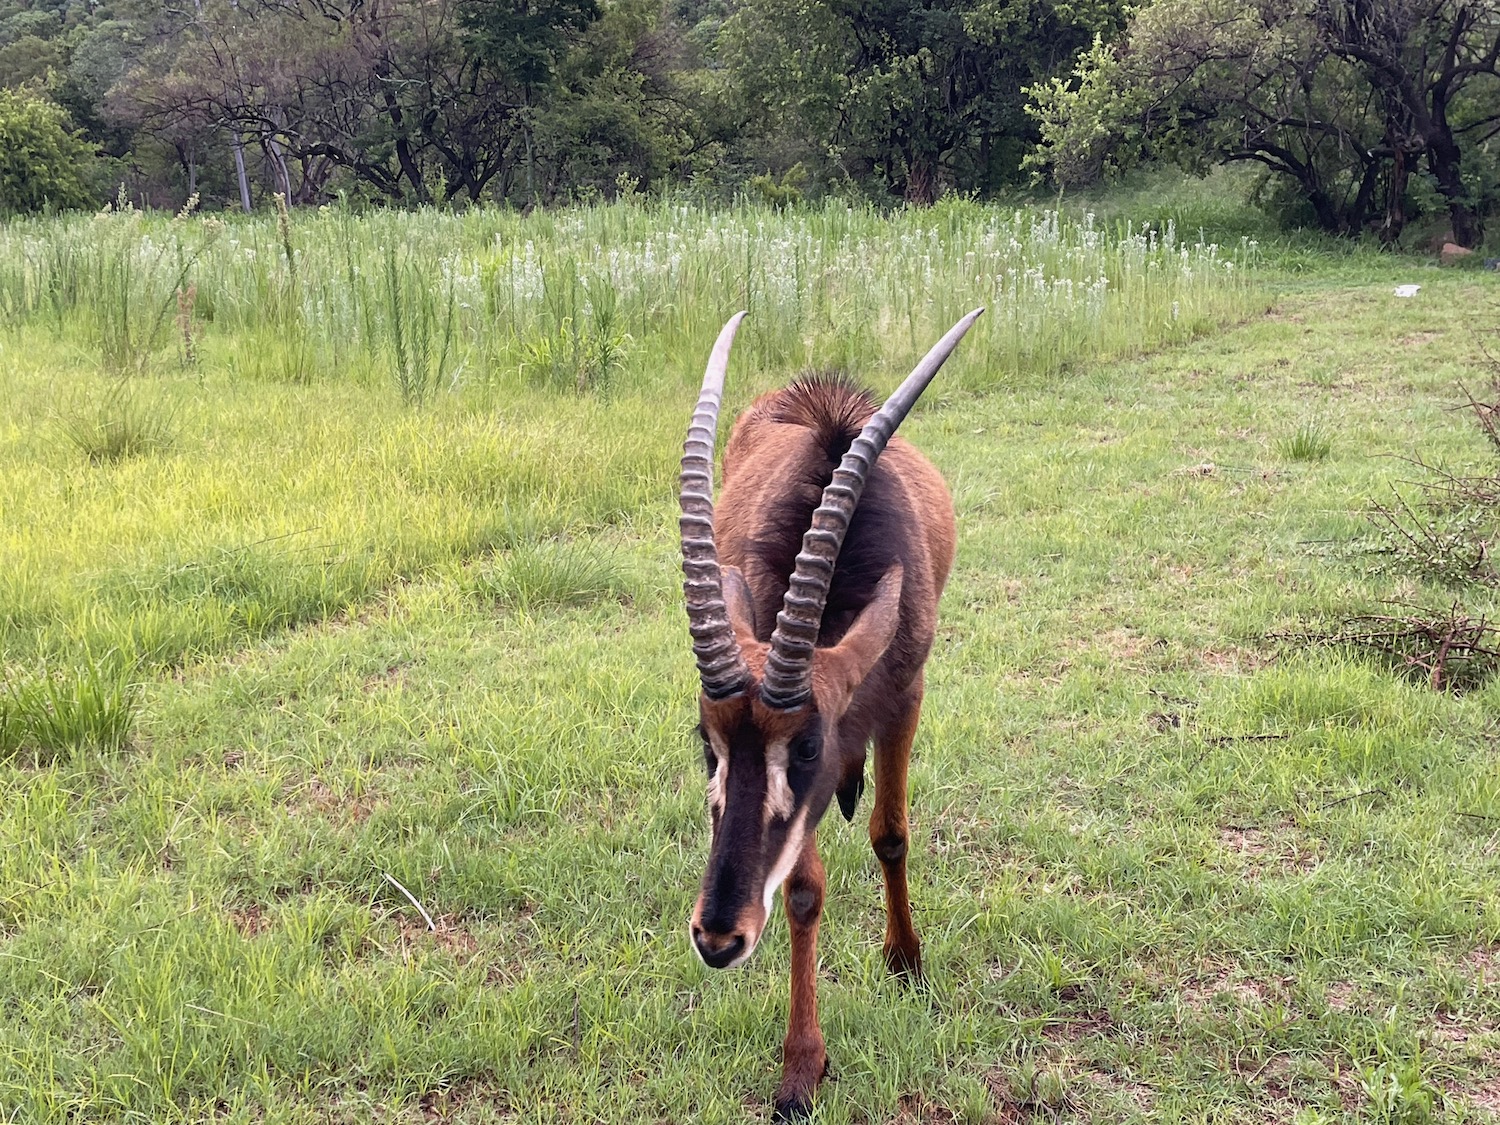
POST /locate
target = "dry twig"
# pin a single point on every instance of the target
(1450, 649)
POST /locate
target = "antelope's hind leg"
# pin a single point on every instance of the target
(804, 1060)
(890, 834)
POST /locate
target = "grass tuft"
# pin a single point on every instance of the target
(57, 713)
(535, 576)
(1309, 442)
(124, 422)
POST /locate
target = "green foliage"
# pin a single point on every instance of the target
(538, 576)
(1308, 442)
(579, 344)
(918, 97)
(127, 420)
(58, 713)
(136, 285)
(542, 346)
(1355, 115)
(779, 192)
(420, 332)
(44, 164)
(525, 41)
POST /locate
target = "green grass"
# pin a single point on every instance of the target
(1164, 870)
(1308, 442)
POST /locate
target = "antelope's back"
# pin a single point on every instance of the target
(781, 454)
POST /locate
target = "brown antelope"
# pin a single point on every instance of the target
(812, 601)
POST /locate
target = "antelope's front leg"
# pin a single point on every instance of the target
(804, 1060)
(890, 835)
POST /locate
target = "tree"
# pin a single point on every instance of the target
(921, 94)
(44, 163)
(419, 101)
(1420, 57)
(1339, 98)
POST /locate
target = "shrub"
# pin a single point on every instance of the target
(43, 163)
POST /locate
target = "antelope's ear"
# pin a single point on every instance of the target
(740, 603)
(850, 661)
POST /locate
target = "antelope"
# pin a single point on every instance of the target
(808, 655)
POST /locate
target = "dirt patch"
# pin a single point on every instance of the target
(1119, 644)
(1275, 1078)
(1349, 1089)
(1143, 1097)
(449, 1103)
(918, 1109)
(250, 920)
(1415, 339)
(1482, 962)
(1484, 1097)
(1122, 644)
(391, 678)
(1279, 850)
(317, 798)
(1454, 1030)
(1231, 660)
(1068, 1030)
(1341, 996)
(1227, 986)
(502, 953)
(448, 935)
(1201, 469)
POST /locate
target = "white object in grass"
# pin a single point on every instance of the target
(1407, 290)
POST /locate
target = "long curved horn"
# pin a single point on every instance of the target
(788, 676)
(721, 665)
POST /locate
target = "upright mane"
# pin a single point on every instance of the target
(831, 404)
(835, 408)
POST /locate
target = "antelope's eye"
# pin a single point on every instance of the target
(710, 759)
(805, 748)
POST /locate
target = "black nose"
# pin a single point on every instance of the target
(718, 950)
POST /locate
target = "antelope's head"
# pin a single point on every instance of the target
(769, 712)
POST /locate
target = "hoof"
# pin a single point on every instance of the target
(793, 1109)
(796, 1105)
(904, 964)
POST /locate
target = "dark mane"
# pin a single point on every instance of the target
(835, 408)
(829, 403)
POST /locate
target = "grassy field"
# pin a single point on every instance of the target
(386, 591)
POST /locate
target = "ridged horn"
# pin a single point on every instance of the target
(788, 676)
(721, 665)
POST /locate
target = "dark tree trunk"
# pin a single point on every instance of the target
(1444, 159)
(921, 182)
(1395, 200)
(404, 156)
(1323, 206)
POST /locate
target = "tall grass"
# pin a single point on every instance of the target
(557, 295)
(306, 484)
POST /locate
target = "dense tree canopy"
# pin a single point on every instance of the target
(43, 162)
(1345, 100)
(919, 96)
(1365, 109)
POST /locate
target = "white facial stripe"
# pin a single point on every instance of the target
(720, 779)
(778, 792)
(791, 851)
